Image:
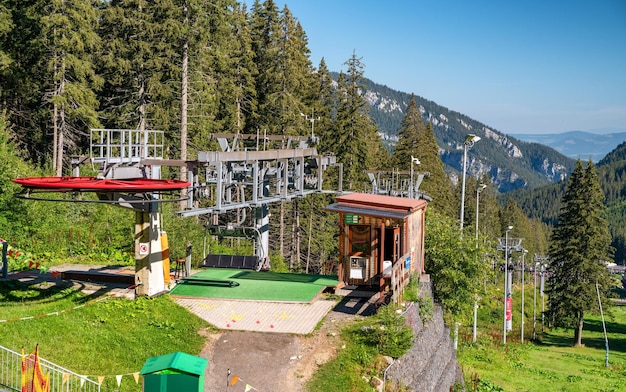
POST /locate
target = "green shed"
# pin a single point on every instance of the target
(174, 372)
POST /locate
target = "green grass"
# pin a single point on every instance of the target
(95, 336)
(361, 357)
(551, 362)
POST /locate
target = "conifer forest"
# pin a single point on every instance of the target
(193, 68)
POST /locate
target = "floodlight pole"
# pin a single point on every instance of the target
(539, 262)
(412, 190)
(524, 251)
(469, 143)
(506, 277)
(478, 190)
(535, 300)
(543, 303)
(312, 119)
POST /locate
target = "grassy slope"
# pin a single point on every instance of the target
(550, 363)
(107, 337)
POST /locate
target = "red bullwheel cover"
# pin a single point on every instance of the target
(97, 184)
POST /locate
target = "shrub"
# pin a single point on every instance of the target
(391, 334)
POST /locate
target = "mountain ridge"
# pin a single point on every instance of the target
(578, 144)
(509, 162)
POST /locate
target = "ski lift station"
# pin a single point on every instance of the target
(381, 237)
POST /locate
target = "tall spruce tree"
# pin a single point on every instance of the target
(22, 84)
(322, 99)
(580, 245)
(244, 71)
(296, 74)
(265, 30)
(319, 246)
(356, 143)
(221, 70)
(69, 33)
(417, 140)
(141, 65)
(6, 24)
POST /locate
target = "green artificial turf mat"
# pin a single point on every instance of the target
(253, 285)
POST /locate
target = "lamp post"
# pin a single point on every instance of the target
(469, 143)
(539, 262)
(524, 251)
(535, 299)
(417, 162)
(543, 303)
(312, 119)
(478, 190)
(506, 275)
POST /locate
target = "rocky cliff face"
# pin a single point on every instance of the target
(509, 162)
(430, 365)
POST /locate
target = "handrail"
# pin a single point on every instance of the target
(61, 379)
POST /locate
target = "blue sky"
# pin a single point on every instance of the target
(518, 66)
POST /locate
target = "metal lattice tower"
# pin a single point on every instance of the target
(397, 183)
(250, 173)
(514, 244)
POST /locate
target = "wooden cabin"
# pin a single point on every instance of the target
(381, 240)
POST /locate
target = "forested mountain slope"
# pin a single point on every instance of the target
(545, 202)
(510, 163)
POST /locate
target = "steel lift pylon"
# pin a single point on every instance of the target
(251, 172)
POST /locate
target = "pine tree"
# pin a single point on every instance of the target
(296, 74)
(22, 82)
(580, 245)
(222, 95)
(6, 24)
(322, 99)
(265, 30)
(141, 65)
(69, 32)
(244, 72)
(356, 143)
(417, 140)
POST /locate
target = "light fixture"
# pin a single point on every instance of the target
(469, 143)
(506, 277)
(417, 162)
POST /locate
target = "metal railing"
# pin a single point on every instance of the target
(126, 145)
(61, 379)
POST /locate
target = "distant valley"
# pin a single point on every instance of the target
(578, 144)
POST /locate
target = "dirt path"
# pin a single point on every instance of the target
(270, 361)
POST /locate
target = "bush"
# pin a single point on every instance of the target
(426, 308)
(387, 331)
(411, 291)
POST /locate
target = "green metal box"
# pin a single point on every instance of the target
(174, 372)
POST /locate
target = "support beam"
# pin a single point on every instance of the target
(149, 274)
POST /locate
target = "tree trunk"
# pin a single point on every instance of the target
(60, 119)
(297, 234)
(281, 239)
(183, 119)
(578, 331)
(55, 131)
(308, 249)
(141, 126)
